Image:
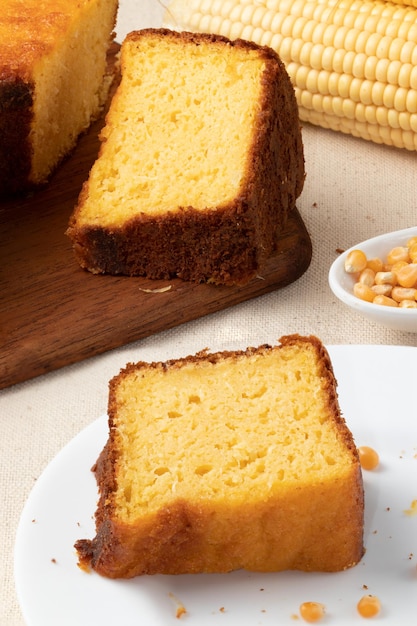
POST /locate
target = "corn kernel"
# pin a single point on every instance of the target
(375, 264)
(412, 250)
(367, 277)
(355, 262)
(403, 293)
(369, 606)
(382, 290)
(395, 267)
(408, 304)
(399, 253)
(407, 276)
(368, 457)
(412, 241)
(312, 611)
(385, 301)
(383, 278)
(363, 292)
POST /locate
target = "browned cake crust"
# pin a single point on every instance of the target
(228, 245)
(315, 527)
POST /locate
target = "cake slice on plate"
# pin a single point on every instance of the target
(217, 462)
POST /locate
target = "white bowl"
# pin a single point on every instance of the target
(341, 283)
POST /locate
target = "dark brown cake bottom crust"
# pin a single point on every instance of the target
(211, 246)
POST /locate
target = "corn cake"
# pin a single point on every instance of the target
(53, 82)
(217, 462)
(200, 164)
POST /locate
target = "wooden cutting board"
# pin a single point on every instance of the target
(52, 313)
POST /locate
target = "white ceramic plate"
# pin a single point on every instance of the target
(377, 396)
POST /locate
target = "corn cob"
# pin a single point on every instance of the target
(353, 63)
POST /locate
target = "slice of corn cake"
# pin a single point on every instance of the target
(200, 164)
(230, 460)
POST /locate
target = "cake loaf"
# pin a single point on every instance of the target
(53, 82)
(217, 462)
(200, 164)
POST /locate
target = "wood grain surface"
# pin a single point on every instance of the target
(52, 313)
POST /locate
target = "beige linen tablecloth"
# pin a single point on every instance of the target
(354, 190)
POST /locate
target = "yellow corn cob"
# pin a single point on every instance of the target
(353, 63)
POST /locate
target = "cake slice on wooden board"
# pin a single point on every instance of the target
(231, 460)
(53, 82)
(200, 164)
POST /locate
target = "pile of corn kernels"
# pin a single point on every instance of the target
(392, 282)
